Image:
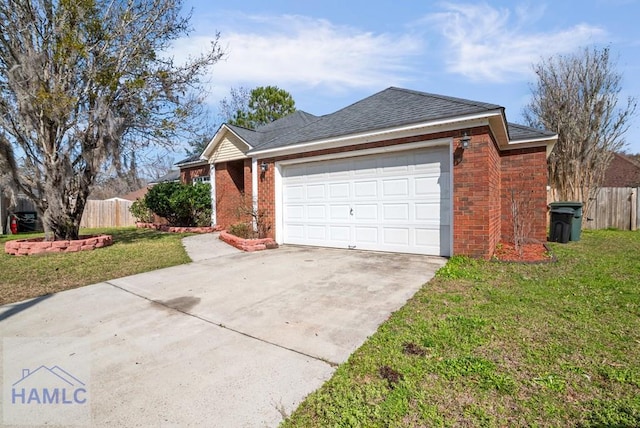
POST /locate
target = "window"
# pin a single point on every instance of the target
(201, 179)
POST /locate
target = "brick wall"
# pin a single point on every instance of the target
(524, 180)
(622, 172)
(189, 173)
(482, 179)
(476, 193)
(233, 179)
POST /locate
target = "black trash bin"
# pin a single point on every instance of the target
(576, 222)
(27, 221)
(561, 219)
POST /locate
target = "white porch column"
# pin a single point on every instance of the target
(254, 191)
(212, 182)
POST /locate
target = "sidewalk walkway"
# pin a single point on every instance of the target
(207, 246)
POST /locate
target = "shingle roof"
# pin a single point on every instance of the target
(173, 175)
(521, 132)
(273, 130)
(190, 159)
(390, 108)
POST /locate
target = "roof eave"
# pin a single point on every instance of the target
(547, 141)
(191, 163)
(438, 125)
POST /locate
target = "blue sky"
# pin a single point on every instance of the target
(329, 54)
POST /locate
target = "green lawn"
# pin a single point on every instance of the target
(134, 251)
(490, 344)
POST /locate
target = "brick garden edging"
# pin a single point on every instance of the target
(178, 229)
(29, 247)
(248, 244)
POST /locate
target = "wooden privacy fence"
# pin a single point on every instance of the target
(107, 214)
(615, 207)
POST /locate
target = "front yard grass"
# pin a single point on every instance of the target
(490, 344)
(133, 251)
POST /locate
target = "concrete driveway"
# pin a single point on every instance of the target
(233, 339)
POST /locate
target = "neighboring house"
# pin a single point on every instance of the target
(136, 194)
(194, 170)
(622, 172)
(400, 171)
(171, 176)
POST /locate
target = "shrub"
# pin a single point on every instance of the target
(141, 212)
(181, 204)
(242, 230)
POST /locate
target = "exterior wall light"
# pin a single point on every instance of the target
(264, 167)
(465, 141)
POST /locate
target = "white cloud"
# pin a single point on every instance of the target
(302, 52)
(485, 43)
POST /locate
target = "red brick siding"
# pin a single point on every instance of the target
(622, 172)
(495, 224)
(189, 173)
(524, 173)
(476, 216)
(230, 177)
(480, 188)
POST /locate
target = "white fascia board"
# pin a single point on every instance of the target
(549, 142)
(192, 163)
(441, 125)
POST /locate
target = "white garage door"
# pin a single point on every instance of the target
(398, 202)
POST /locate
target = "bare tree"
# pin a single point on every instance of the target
(235, 105)
(576, 96)
(83, 81)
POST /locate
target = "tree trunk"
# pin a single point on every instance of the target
(66, 198)
(59, 223)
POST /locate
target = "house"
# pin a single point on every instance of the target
(399, 171)
(622, 172)
(171, 176)
(194, 170)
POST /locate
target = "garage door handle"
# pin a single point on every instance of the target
(351, 211)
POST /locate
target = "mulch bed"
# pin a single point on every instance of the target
(529, 253)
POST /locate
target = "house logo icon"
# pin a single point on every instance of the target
(48, 385)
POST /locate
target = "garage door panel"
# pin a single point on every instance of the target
(339, 212)
(395, 212)
(295, 232)
(395, 187)
(294, 213)
(366, 212)
(396, 201)
(340, 234)
(317, 232)
(367, 235)
(316, 212)
(316, 191)
(339, 191)
(396, 236)
(295, 193)
(365, 189)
